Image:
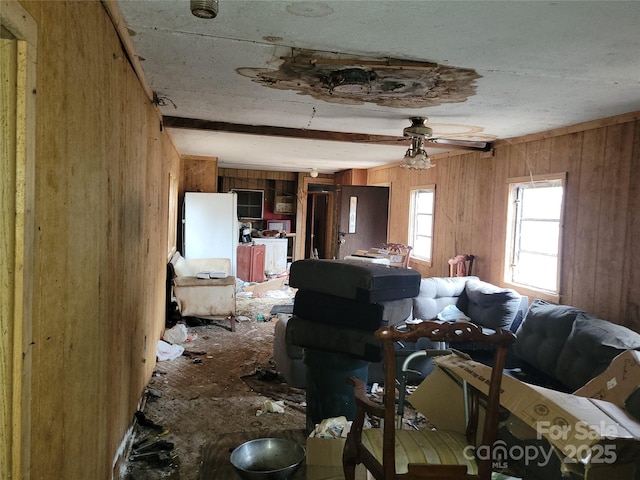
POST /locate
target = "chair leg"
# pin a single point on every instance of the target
(349, 463)
(349, 471)
(232, 318)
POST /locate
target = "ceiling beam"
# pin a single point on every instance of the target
(196, 124)
(325, 135)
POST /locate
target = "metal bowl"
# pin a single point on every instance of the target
(267, 459)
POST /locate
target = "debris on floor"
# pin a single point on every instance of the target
(271, 406)
(167, 351)
(151, 451)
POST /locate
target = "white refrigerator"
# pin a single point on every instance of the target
(210, 226)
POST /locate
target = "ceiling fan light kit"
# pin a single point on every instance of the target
(204, 8)
(416, 157)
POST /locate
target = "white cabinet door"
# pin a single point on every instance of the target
(275, 257)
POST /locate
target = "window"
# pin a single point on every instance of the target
(421, 223)
(535, 216)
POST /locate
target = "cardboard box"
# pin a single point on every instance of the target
(618, 383)
(395, 260)
(260, 288)
(589, 432)
(447, 415)
(324, 460)
(326, 452)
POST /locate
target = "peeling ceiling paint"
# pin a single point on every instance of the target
(353, 81)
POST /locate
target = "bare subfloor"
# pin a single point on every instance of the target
(217, 387)
(203, 394)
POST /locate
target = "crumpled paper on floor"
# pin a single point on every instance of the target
(271, 406)
(334, 427)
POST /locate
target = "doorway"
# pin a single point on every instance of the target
(320, 222)
(363, 218)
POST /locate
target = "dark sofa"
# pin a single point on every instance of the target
(561, 347)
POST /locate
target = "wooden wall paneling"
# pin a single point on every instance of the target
(379, 175)
(50, 292)
(588, 219)
(518, 162)
(99, 301)
(353, 176)
(498, 255)
(467, 203)
(399, 204)
(565, 157)
(200, 174)
(481, 222)
(9, 250)
(117, 265)
(631, 271)
(17, 172)
(537, 158)
(446, 219)
(608, 295)
(85, 359)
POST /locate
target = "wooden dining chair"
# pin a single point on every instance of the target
(461, 265)
(388, 453)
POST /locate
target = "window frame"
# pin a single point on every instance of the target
(413, 221)
(513, 184)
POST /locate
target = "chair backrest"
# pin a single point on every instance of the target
(461, 265)
(399, 249)
(449, 332)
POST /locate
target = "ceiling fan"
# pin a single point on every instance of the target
(422, 133)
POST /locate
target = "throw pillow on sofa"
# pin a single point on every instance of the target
(180, 266)
(591, 346)
(543, 333)
(491, 306)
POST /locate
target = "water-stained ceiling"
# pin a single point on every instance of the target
(292, 85)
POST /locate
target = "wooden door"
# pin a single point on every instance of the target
(363, 218)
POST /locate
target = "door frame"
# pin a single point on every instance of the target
(15, 349)
(304, 180)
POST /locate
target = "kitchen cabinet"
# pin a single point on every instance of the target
(251, 260)
(275, 258)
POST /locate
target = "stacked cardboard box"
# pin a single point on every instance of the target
(395, 259)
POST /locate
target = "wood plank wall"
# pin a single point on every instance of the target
(200, 174)
(600, 263)
(101, 210)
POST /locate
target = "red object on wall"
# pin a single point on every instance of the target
(250, 263)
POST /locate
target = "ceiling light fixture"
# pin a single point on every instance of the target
(416, 156)
(204, 8)
(314, 172)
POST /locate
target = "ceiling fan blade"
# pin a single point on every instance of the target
(480, 145)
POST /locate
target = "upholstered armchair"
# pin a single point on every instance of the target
(204, 287)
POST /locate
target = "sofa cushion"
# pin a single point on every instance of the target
(591, 346)
(436, 293)
(331, 309)
(491, 306)
(543, 333)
